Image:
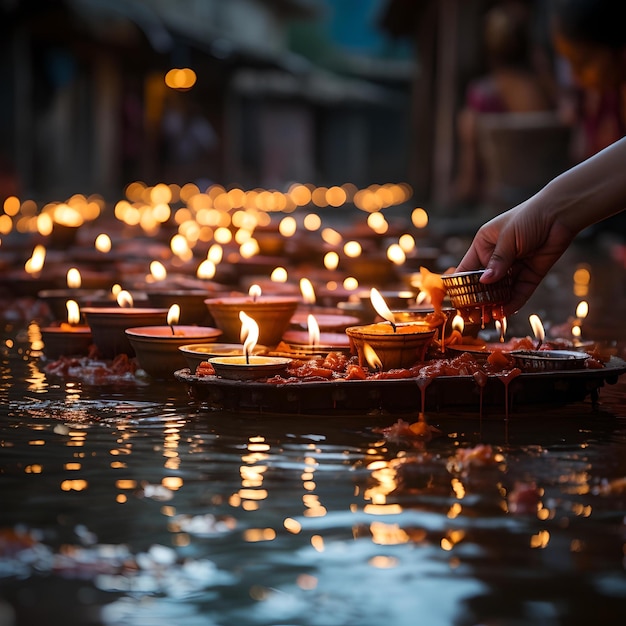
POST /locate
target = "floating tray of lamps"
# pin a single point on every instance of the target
(339, 396)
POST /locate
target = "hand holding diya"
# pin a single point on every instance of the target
(397, 345)
(248, 366)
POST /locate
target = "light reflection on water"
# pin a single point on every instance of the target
(135, 506)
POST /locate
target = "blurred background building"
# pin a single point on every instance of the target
(254, 93)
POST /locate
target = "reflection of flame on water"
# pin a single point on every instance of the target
(371, 357)
(380, 306)
(538, 330)
(249, 333)
(124, 299)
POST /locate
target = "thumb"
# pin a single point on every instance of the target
(498, 265)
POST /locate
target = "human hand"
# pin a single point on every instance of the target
(525, 240)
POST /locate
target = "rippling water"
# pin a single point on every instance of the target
(132, 505)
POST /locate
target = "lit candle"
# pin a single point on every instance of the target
(173, 315)
(69, 338)
(380, 306)
(501, 326)
(538, 330)
(371, 357)
(249, 334)
(254, 292)
(456, 336)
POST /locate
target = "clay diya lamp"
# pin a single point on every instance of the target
(548, 360)
(156, 347)
(68, 338)
(272, 314)
(397, 346)
(109, 323)
(314, 342)
(248, 366)
(196, 353)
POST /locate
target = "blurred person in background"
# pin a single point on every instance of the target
(589, 36)
(512, 85)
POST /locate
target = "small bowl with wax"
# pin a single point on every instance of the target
(66, 340)
(253, 367)
(396, 348)
(271, 313)
(156, 347)
(196, 353)
(466, 290)
(548, 360)
(108, 326)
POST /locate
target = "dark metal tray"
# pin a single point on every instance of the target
(401, 395)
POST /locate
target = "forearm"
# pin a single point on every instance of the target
(590, 191)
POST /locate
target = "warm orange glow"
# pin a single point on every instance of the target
(350, 283)
(312, 222)
(73, 278)
(335, 196)
(34, 265)
(458, 323)
(314, 330)
(73, 312)
(180, 79)
(158, 271)
(307, 290)
(380, 306)
(331, 260)
(352, 249)
(206, 270)
(371, 357)
(103, 243)
(249, 248)
(582, 310)
(255, 291)
(331, 236)
(287, 226)
(537, 326)
(396, 254)
(11, 206)
(124, 299)
(249, 333)
(377, 222)
(173, 314)
(419, 218)
(279, 275)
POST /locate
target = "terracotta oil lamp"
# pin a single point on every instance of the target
(272, 313)
(108, 324)
(397, 345)
(68, 338)
(156, 347)
(248, 366)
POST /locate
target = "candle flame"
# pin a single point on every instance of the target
(173, 315)
(538, 330)
(249, 333)
(380, 306)
(422, 297)
(582, 310)
(576, 331)
(458, 323)
(314, 330)
(124, 299)
(158, 271)
(331, 260)
(206, 269)
(255, 291)
(279, 275)
(34, 265)
(371, 357)
(73, 312)
(308, 293)
(103, 243)
(396, 254)
(501, 326)
(74, 279)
